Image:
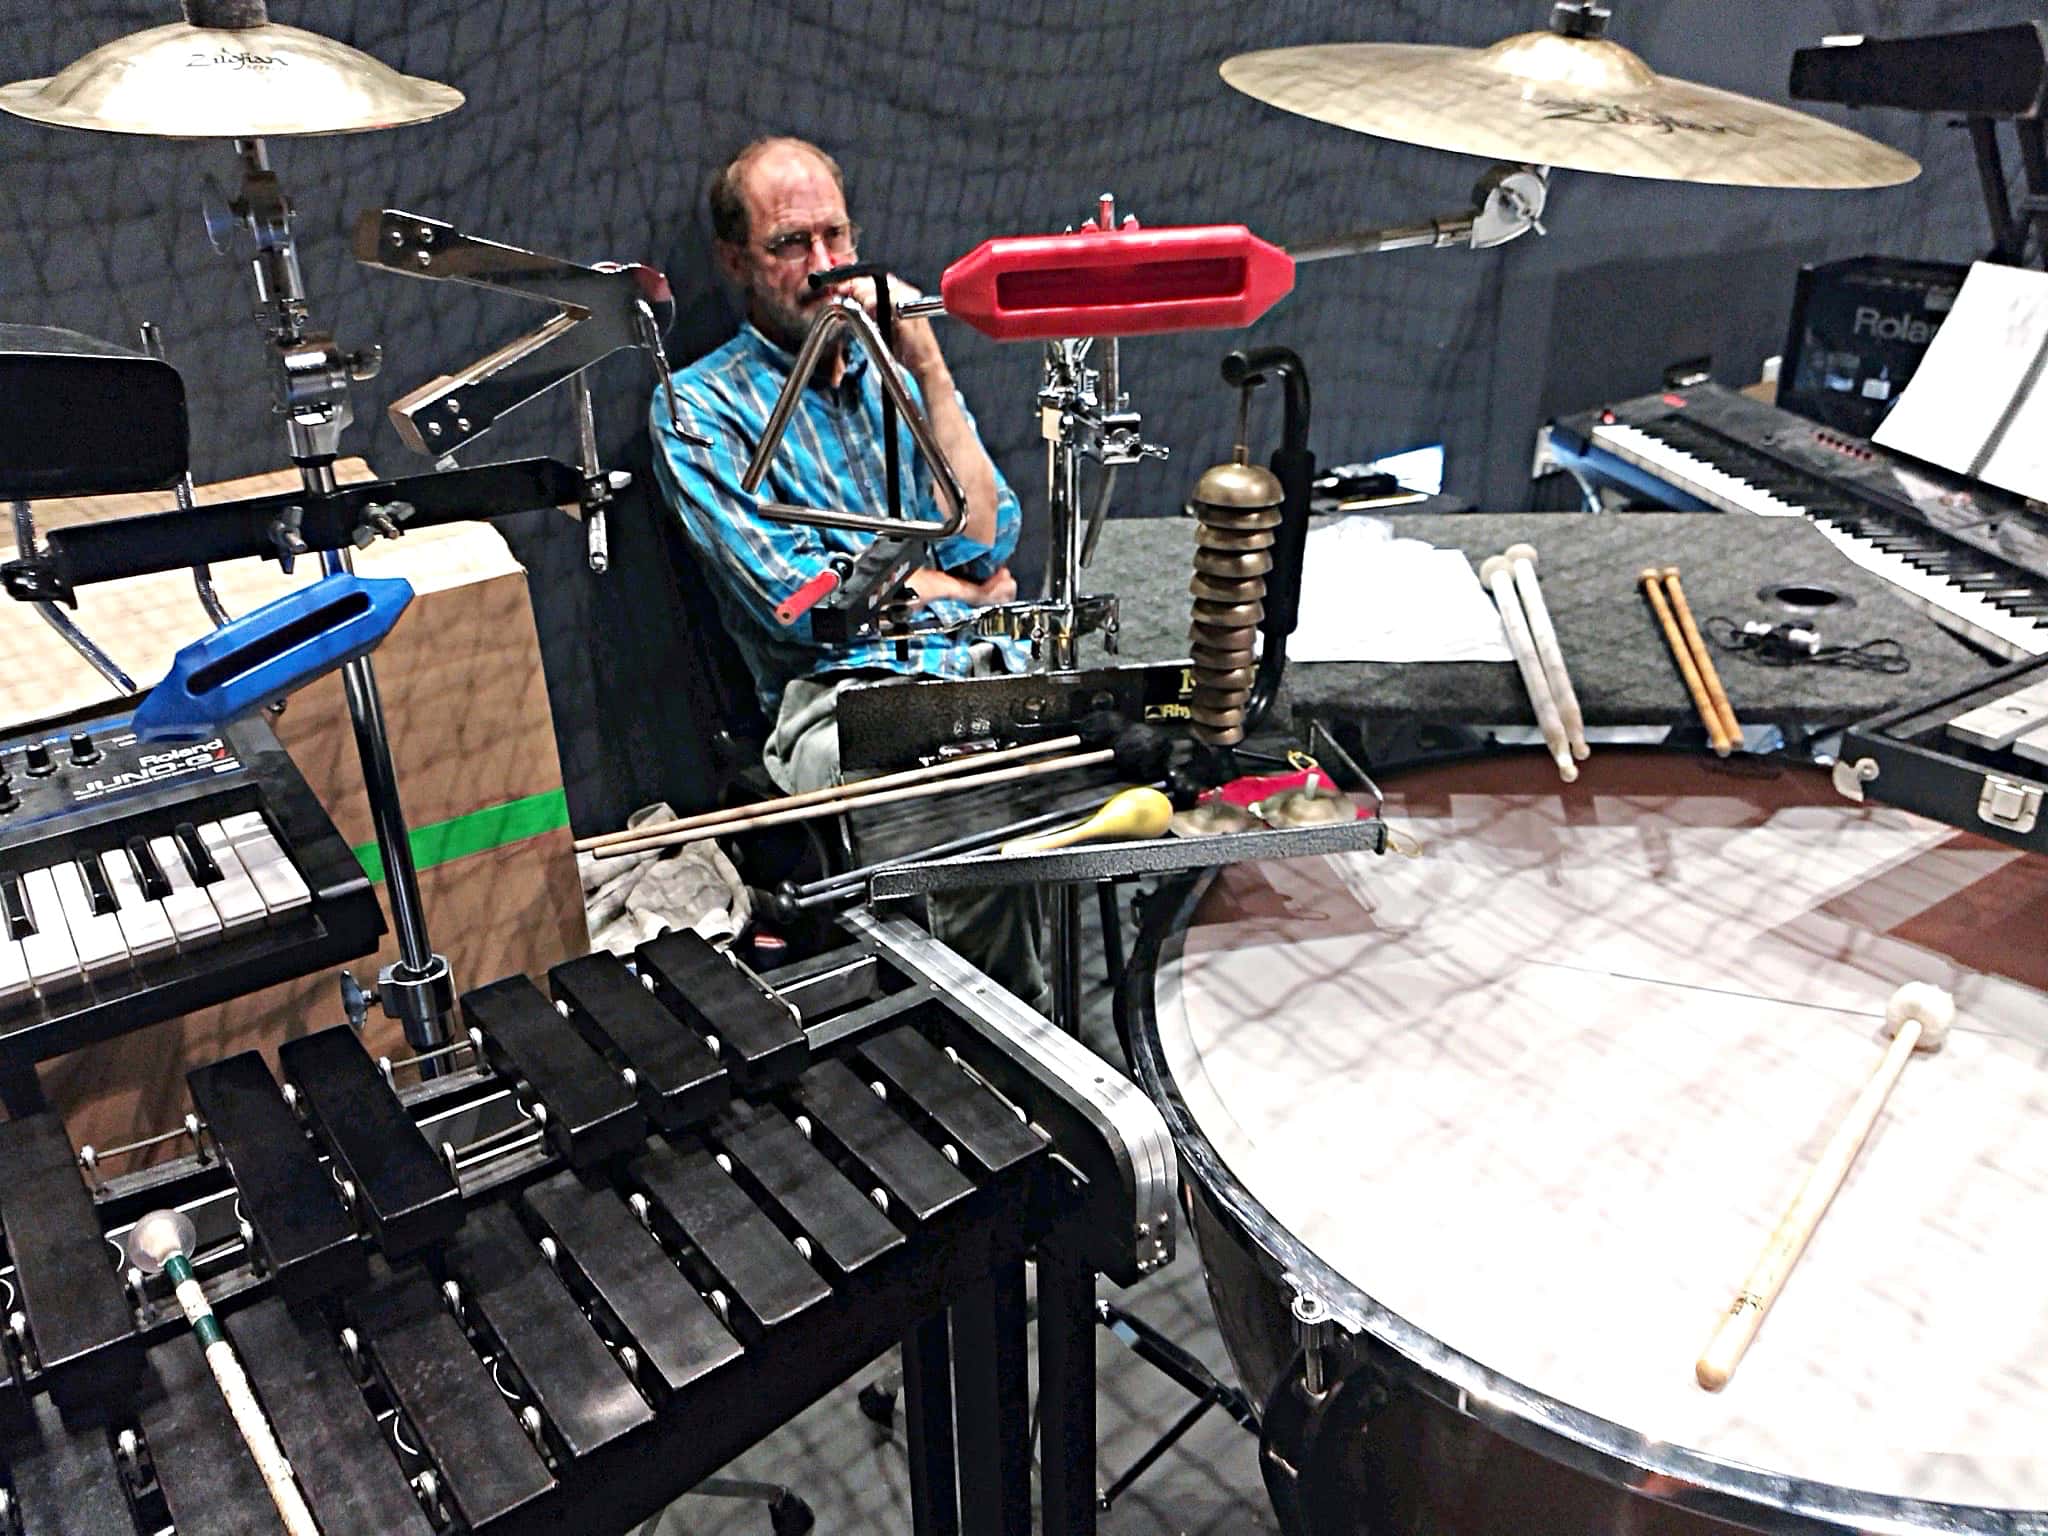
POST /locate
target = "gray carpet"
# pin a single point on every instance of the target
(852, 1473)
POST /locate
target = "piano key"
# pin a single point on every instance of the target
(919, 1182)
(679, 1338)
(69, 1287)
(234, 894)
(145, 928)
(210, 1482)
(760, 1040)
(14, 977)
(193, 918)
(97, 939)
(579, 1385)
(591, 1114)
(344, 1464)
(678, 1078)
(979, 1125)
(193, 851)
(66, 1480)
(845, 1229)
(2002, 721)
(277, 879)
(1989, 625)
(403, 1189)
(755, 1263)
(15, 905)
(303, 1232)
(488, 1466)
(154, 885)
(47, 950)
(97, 891)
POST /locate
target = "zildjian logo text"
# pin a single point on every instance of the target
(228, 58)
(1611, 112)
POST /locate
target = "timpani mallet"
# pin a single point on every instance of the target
(1548, 651)
(1918, 1018)
(1702, 657)
(1651, 579)
(1498, 574)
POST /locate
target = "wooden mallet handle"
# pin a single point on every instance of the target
(1704, 658)
(1548, 651)
(1498, 575)
(1920, 1015)
(1651, 579)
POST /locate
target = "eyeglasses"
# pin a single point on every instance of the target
(795, 244)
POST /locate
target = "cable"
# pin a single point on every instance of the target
(1794, 645)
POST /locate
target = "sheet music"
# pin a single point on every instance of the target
(1368, 596)
(1978, 403)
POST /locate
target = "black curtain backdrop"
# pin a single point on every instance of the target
(591, 127)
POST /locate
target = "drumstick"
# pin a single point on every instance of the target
(971, 763)
(1652, 581)
(1701, 656)
(1548, 651)
(162, 1242)
(1918, 1017)
(1498, 575)
(777, 818)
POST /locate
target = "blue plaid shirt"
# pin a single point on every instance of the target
(830, 457)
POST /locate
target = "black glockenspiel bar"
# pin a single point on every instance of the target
(488, 1467)
(342, 1458)
(66, 1480)
(403, 1189)
(580, 1388)
(985, 1130)
(69, 1285)
(760, 1041)
(591, 1114)
(680, 1081)
(303, 1232)
(678, 1337)
(846, 1232)
(918, 1180)
(759, 1268)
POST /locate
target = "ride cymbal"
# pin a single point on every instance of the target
(230, 73)
(1582, 103)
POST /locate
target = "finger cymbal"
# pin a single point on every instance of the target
(239, 81)
(1578, 103)
(1213, 818)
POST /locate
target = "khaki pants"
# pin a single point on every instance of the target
(997, 929)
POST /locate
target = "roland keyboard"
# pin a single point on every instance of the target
(1973, 557)
(142, 881)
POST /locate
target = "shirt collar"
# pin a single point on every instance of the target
(783, 361)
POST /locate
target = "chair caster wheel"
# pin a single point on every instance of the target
(878, 1404)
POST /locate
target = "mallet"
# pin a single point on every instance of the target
(1498, 574)
(1918, 1018)
(1548, 651)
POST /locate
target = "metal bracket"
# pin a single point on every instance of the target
(2009, 803)
(1850, 777)
(599, 310)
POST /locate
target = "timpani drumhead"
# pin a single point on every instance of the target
(1543, 1090)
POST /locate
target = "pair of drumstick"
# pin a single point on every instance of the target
(1511, 576)
(1689, 649)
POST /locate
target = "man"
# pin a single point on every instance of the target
(778, 214)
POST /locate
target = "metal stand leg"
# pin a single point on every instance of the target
(21, 1091)
(1066, 1392)
(1112, 932)
(928, 1428)
(1066, 958)
(992, 1403)
(1179, 1367)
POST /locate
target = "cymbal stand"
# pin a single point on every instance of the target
(311, 378)
(1507, 202)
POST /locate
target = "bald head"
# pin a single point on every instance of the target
(773, 159)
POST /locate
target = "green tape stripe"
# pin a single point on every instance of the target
(495, 826)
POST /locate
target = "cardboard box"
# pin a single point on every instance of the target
(466, 705)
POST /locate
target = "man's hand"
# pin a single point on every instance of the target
(917, 344)
(930, 584)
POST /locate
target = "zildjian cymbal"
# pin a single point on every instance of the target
(234, 75)
(1238, 519)
(1305, 808)
(1233, 562)
(1221, 661)
(1238, 677)
(1243, 589)
(1214, 614)
(1581, 103)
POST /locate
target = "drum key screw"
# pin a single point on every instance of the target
(1313, 1328)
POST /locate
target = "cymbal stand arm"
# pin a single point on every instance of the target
(1506, 204)
(311, 390)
